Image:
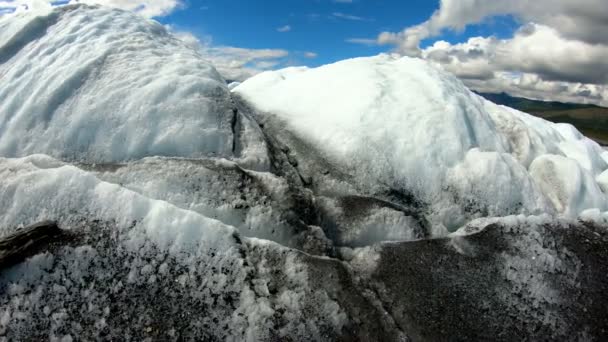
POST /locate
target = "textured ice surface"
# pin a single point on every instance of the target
(497, 277)
(401, 122)
(105, 85)
(192, 215)
(219, 189)
(569, 186)
(38, 188)
(142, 267)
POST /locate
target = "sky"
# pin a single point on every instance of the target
(326, 28)
(540, 49)
(299, 26)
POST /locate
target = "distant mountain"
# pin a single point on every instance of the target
(590, 119)
(528, 105)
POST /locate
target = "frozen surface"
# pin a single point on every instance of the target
(514, 270)
(402, 123)
(569, 186)
(250, 201)
(138, 262)
(308, 204)
(38, 188)
(97, 84)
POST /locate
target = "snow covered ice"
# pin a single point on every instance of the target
(103, 85)
(372, 199)
(400, 122)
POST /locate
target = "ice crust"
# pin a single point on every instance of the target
(402, 122)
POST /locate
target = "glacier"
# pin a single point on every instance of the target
(375, 198)
(130, 77)
(401, 123)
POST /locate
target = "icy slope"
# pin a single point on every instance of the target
(105, 85)
(187, 213)
(38, 188)
(144, 269)
(402, 123)
(134, 263)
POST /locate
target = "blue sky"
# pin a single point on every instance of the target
(321, 26)
(541, 49)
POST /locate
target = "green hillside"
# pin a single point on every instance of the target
(591, 120)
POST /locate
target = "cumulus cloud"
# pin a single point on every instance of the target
(585, 20)
(533, 87)
(536, 63)
(559, 52)
(346, 16)
(234, 63)
(285, 28)
(362, 41)
(534, 49)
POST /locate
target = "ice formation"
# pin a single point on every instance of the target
(401, 122)
(104, 85)
(302, 204)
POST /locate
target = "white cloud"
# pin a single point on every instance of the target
(534, 49)
(585, 20)
(310, 54)
(362, 41)
(537, 62)
(531, 86)
(560, 51)
(285, 28)
(236, 64)
(345, 16)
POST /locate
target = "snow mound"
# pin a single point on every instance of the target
(96, 84)
(400, 122)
